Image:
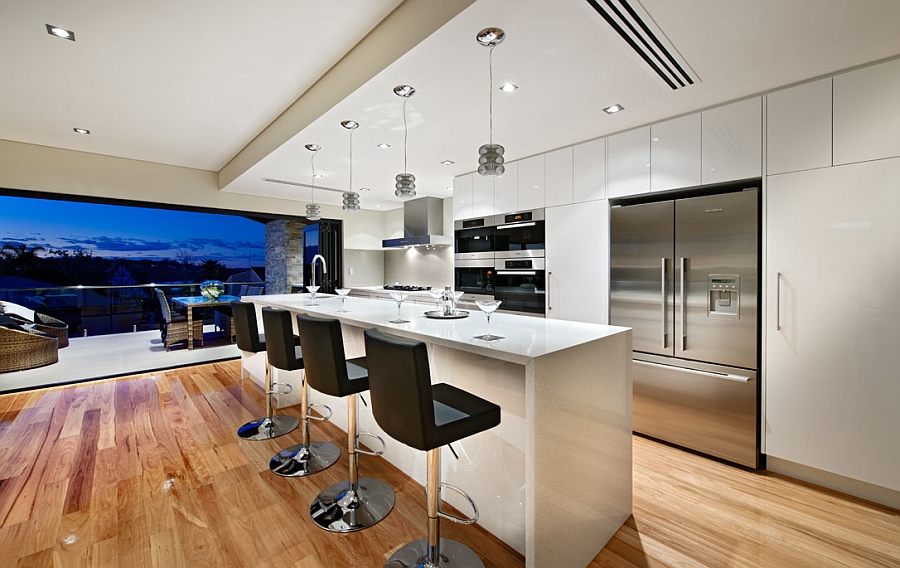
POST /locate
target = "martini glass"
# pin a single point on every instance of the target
(488, 307)
(456, 295)
(312, 295)
(398, 297)
(436, 295)
(342, 292)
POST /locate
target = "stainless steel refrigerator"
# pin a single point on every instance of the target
(684, 274)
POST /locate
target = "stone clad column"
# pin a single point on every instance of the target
(284, 255)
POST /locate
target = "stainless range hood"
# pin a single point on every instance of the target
(423, 224)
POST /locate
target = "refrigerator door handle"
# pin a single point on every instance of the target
(547, 290)
(728, 376)
(662, 302)
(778, 302)
(683, 296)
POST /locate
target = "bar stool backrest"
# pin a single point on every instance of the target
(323, 355)
(400, 388)
(280, 339)
(246, 329)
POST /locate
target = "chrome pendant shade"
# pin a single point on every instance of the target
(490, 155)
(351, 198)
(406, 182)
(313, 209)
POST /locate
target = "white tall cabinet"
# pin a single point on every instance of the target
(833, 318)
(577, 261)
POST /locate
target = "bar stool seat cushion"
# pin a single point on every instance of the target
(324, 345)
(458, 414)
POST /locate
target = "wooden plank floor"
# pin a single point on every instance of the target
(147, 471)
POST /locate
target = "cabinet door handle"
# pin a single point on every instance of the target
(683, 296)
(778, 302)
(662, 301)
(547, 290)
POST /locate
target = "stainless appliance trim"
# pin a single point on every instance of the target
(536, 215)
(516, 272)
(464, 256)
(677, 363)
(475, 263)
(718, 375)
(513, 254)
(662, 302)
(534, 263)
(778, 302)
(547, 290)
(488, 221)
(683, 323)
(515, 225)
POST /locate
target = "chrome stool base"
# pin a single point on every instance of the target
(300, 459)
(268, 428)
(453, 554)
(336, 509)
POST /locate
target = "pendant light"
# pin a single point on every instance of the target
(406, 182)
(351, 198)
(313, 209)
(490, 155)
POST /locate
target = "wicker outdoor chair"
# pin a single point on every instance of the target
(25, 348)
(52, 326)
(177, 326)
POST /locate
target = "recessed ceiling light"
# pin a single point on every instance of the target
(449, 188)
(613, 109)
(508, 87)
(364, 189)
(60, 32)
(378, 207)
(319, 175)
(82, 130)
(655, 139)
(448, 162)
(384, 145)
(313, 147)
(350, 124)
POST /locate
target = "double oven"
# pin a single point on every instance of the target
(502, 257)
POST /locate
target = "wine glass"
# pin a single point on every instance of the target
(436, 295)
(398, 297)
(342, 292)
(312, 295)
(488, 307)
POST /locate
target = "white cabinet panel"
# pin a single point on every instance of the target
(558, 176)
(732, 141)
(832, 362)
(482, 195)
(531, 183)
(589, 181)
(577, 261)
(462, 197)
(675, 153)
(867, 113)
(798, 128)
(628, 163)
(506, 190)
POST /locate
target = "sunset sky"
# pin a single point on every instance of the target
(115, 231)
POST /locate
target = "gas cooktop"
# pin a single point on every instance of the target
(405, 288)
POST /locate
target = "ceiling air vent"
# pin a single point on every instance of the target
(651, 46)
(306, 185)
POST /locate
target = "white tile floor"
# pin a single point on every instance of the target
(119, 354)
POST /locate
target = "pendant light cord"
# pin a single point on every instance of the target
(405, 135)
(312, 163)
(491, 94)
(351, 160)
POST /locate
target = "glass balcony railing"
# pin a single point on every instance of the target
(101, 310)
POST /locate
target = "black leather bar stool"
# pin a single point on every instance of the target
(357, 503)
(249, 340)
(306, 457)
(424, 416)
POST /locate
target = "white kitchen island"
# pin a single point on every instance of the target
(553, 480)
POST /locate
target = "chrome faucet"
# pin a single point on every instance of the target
(313, 266)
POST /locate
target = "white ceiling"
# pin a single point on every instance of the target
(191, 83)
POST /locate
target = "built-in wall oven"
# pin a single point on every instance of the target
(474, 239)
(521, 286)
(475, 278)
(519, 235)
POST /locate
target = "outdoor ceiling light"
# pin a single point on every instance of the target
(613, 109)
(60, 32)
(313, 209)
(351, 198)
(406, 182)
(508, 87)
(82, 130)
(490, 155)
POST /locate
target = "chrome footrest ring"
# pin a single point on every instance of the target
(319, 408)
(454, 518)
(360, 449)
(281, 388)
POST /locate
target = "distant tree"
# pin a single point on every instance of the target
(18, 258)
(186, 257)
(213, 270)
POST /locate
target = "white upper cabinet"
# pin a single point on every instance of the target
(675, 153)
(558, 176)
(628, 163)
(731, 141)
(482, 195)
(589, 178)
(531, 183)
(798, 128)
(506, 190)
(867, 113)
(462, 197)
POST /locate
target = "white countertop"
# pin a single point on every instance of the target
(525, 338)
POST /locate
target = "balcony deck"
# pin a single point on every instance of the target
(102, 356)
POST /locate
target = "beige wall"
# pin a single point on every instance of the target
(367, 267)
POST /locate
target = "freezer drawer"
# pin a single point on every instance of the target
(708, 408)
